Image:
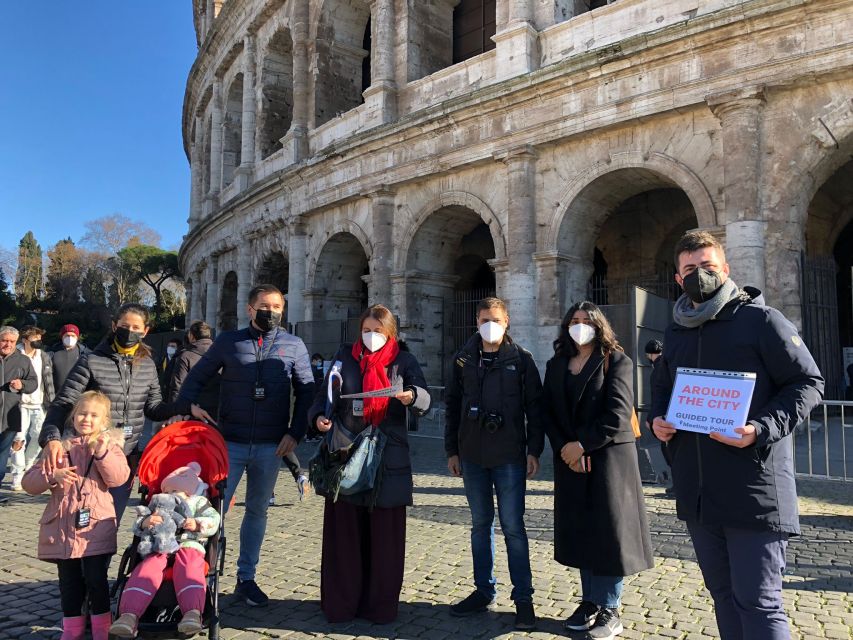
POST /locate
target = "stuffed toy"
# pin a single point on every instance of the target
(161, 538)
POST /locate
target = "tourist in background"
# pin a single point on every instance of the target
(33, 405)
(17, 376)
(66, 354)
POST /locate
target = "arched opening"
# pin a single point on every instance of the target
(276, 85)
(228, 302)
(343, 58)
(275, 270)
(473, 28)
(340, 290)
(827, 280)
(233, 130)
(447, 274)
(626, 224)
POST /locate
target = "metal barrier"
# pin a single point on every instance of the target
(820, 443)
(432, 424)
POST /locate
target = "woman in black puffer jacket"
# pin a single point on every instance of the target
(120, 367)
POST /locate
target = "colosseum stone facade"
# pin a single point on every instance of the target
(422, 153)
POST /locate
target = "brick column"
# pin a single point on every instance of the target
(382, 213)
(211, 315)
(520, 286)
(244, 280)
(196, 196)
(740, 115)
(247, 133)
(301, 81)
(517, 43)
(381, 95)
(216, 142)
(297, 256)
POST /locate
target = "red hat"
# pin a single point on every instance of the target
(69, 328)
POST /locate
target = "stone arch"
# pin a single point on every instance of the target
(655, 168)
(450, 199)
(342, 226)
(341, 41)
(339, 288)
(274, 269)
(232, 138)
(275, 88)
(228, 302)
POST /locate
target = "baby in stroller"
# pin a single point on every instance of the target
(188, 572)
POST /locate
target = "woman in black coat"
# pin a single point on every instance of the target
(600, 523)
(364, 534)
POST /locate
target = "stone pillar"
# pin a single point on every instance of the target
(244, 280)
(740, 115)
(247, 133)
(194, 297)
(196, 196)
(382, 214)
(211, 315)
(188, 291)
(209, 15)
(517, 44)
(520, 286)
(297, 256)
(216, 143)
(381, 95)
(301, 82)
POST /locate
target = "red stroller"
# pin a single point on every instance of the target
(175, 446)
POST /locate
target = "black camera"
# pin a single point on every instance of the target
(492, 421)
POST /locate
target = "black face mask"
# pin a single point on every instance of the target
(125, 338)
(36, 344)
(267, 320)
(701, 285)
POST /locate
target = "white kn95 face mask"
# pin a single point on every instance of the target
(492, 332)
(582, 333)
(373, 340)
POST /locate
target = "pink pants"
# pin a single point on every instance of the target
(187, 575)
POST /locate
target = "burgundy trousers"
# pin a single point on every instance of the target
(364, 554)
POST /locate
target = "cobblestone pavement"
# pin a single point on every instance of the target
(668, 601)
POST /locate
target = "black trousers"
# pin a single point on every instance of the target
(82, 577)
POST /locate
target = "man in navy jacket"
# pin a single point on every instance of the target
(737, 495)
(259, 366)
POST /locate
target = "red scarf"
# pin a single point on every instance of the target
(374, 377)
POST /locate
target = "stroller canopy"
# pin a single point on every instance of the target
(179, 444)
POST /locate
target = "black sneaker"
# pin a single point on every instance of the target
(583, 617)
(607, 625)
(475, 603)
(251, 593)
(525, 619)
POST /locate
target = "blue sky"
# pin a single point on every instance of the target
(90, 115)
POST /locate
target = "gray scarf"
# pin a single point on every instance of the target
(685, 314)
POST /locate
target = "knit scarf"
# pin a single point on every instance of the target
(685, 314)
(374, 376)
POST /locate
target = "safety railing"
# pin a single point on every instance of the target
(823, 442)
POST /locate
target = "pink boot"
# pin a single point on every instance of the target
(101, 626)
(73, 628)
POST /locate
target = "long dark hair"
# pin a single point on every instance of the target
(140, 310)
(605, 338)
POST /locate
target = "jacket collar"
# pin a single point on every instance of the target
(748, 295)
(506, 352)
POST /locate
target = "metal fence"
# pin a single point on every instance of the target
(824, 441)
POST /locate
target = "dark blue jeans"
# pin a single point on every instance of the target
(509, 482)
(6, 439)
(743, 571)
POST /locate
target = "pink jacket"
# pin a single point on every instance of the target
(59, 538)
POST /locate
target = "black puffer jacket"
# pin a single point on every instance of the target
(130, 383)
(395, 489)
(189, 357)
(753, 487)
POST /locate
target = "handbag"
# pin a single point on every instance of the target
(361, 471)
(635, 420)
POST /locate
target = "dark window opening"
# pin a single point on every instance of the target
(473, 28)
(365, 63)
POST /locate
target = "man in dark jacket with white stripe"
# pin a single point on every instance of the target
(260, 365)
(737, 495)
(17, 377)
